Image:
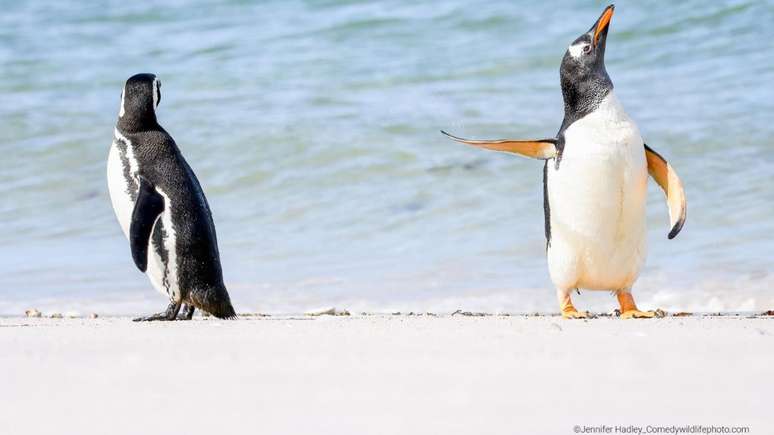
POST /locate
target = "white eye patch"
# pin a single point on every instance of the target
(576, 50)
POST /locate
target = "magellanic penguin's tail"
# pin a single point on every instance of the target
(215, 301)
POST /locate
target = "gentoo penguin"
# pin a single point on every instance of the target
(594, 182)
(162, 209)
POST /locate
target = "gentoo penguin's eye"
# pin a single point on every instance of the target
(587, 49)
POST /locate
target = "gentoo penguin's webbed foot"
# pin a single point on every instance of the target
(637, 314)
(568, 309)
(575, 314)
(629, 309)
(186, 313)
(169, 314)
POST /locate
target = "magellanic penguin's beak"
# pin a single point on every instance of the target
(599, 30)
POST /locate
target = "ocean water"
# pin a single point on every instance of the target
(313, 127)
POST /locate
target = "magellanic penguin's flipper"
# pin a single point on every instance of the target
(537, 149)
(667, 178)
(147, 209)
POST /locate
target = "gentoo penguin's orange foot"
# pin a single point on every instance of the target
(575, 314)
(568, 309)
(629, 309)
(637, 314)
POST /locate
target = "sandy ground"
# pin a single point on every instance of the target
(382, 374)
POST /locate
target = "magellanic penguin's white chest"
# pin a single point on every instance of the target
(122, 170)
(597, 202)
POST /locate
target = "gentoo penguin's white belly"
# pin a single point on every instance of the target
(597, 203)
(162, 274)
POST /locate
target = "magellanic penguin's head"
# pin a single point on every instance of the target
(583, 74)
(139, 99)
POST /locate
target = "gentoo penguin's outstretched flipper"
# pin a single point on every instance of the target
(667, 178)
(537, 149)
(147, 209)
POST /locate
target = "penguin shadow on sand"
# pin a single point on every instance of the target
(595, 176)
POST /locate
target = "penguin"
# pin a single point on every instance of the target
(595, 176)
(162, 209)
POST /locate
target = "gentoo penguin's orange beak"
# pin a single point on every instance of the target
(601, 26)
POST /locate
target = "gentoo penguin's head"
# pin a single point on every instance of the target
(583, 74)
(141, 95)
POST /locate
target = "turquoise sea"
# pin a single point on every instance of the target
(314, 129)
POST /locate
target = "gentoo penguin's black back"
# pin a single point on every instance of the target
(161, 165)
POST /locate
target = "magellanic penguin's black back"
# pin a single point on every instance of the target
(199, 272)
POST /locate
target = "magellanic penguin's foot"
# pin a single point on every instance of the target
(568, 309)
(170, 314)
(629, 309)
(187, 312)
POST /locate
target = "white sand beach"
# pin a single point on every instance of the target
(382, 374)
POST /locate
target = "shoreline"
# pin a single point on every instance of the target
(55, 315)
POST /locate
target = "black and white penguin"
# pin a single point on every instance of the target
(595, 181)
(162, 209)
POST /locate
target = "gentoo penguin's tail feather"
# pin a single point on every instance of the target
(215, 301)
(537, 149)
